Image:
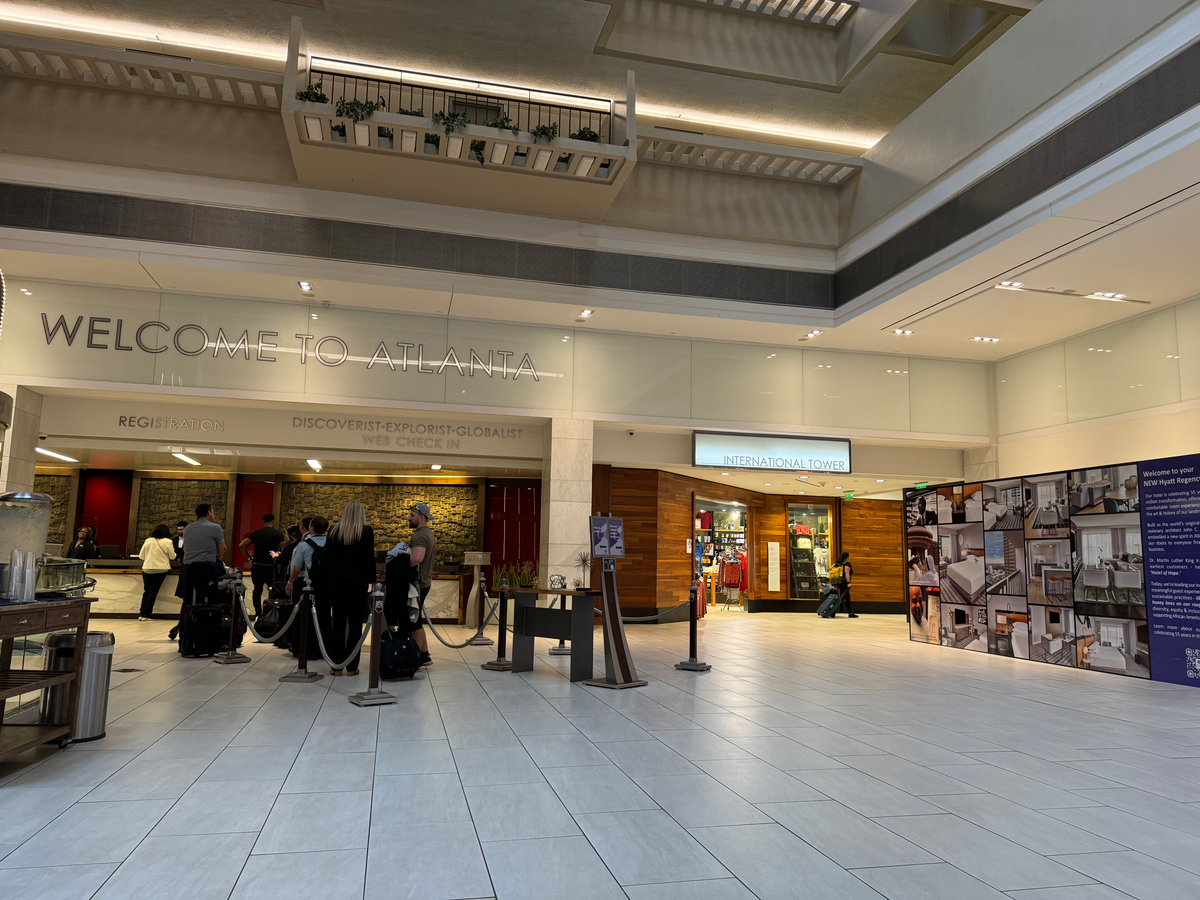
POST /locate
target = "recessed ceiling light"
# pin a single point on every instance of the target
(314, 464)
(185, 458)
(45, 452)
(724, 473)
(903, 331)
(772, 356)
(837, 487)
(314, 315)
(305, 285)
(800, 492)
(1015, 284)
(879, 481)
(26, 292)
(766, 484)
(565, 339)
(437, 467)
(586, 313)
(803, 477)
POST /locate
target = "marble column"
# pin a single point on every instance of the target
(20, 456)
(566, 497)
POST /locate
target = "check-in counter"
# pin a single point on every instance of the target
(118, 589)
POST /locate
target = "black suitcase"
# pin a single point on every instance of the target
(203, 630)
(830, 600)
(399, 656)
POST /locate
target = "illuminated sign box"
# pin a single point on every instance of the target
(769, 452)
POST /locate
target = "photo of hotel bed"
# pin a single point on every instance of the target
(923, 614)
(1008, 627)
(1119, 646)
(1109, 490)
(923, 555)
(963, 577)
(964, 627)
(921, 509)
(959, 504)
(1050, 575)
(1004, 562)
(1045, 506)
(1052, 635)
(1108, 566)
(1003, 505)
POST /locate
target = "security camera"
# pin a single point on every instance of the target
(632, 433)
(42, 437)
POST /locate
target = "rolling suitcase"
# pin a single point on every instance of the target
(830, 600)
(203, 630)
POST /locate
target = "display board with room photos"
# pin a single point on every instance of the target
(1047, 568)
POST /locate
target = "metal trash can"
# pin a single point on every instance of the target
(94, 679)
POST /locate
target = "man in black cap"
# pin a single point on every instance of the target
(424, 548)
(267, 541)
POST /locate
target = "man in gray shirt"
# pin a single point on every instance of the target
(203, 546)
(424, 549)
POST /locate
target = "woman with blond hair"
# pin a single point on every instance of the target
(350, 552)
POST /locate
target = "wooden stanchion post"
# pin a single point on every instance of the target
(500, 664)
(302, 675)
(373, 696)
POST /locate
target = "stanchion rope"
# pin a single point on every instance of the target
(241, 596)
(666, 612)
(443, 641)
(357, 648)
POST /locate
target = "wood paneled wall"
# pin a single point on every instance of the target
(633, 496)
(872, 531)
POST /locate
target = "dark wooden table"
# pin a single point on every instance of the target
(18, 620)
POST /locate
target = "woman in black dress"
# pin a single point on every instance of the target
(350, 552)
(84, 546)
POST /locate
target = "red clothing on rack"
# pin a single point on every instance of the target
(742, 560)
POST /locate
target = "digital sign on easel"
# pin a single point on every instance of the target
(608, 537)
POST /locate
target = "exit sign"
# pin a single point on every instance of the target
(849, 495)
(923, 484)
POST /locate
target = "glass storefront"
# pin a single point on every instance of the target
(721, 541)
(810, 537)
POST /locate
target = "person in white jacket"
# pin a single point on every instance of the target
(156, 555)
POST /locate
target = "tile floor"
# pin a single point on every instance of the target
(821, 758)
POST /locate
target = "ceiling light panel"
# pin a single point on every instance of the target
(827, 14)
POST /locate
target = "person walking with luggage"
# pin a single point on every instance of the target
(266, 541)
(844, 584)
(351, 553)
(424, 549)
(203, 547)
(156, 555)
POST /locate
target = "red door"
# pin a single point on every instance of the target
(514, 513)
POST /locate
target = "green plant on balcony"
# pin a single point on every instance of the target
(419, 113)
(450, 122)
(313, 94)
(477, 148)
(432, 139)
(339, 128)
(586, 134)
(502, 122)
(548, 132)
(386, 133)
(357, 110)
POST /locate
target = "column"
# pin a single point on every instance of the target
(983, 463)
(20, 456)
(566, 498)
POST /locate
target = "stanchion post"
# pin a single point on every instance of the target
(481, 640)
(373, 696)
(691, 664)
(500, 663)
(562, 649)
(231, 655)
(302, 675)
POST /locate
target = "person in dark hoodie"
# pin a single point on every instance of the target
(843, 584)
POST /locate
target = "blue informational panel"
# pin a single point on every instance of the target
(1170, 499)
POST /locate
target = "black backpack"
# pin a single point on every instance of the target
(399, 655)
(318, 567)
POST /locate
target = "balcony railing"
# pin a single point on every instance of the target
(410, 93)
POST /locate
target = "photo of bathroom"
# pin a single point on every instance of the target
(1119, 646)
(1008, 626)
(964, 627)
(1050, 576)
(923, 555)
(1003, 505)
(1113, 489)
(923, 613)
(960, 557)
(1052, 635)
(1045, 505)
(959, 504)
(1109, 568)
(1004, 562)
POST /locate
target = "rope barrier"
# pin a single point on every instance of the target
(357, 649)
(250, 626)
(443, 641)
(666, 612)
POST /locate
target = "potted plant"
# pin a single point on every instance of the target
(450, 122)
(419, 113)
(585, 134)
(337, 131)
(583, 562)
(520, 155)
(502, 122)
(477, 151)
(358, 111)
(432, 140)
(548, 132)
(312, 94)
(384, 138)
(563, 163)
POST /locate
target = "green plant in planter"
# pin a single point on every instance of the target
(313, 94)
(432, 138)
(386, 133)
(586, 134)
(502, 122)
(450, 122)
(419, 113)
(477, 147)
(338, 128)
(549, 132)
(357, 110)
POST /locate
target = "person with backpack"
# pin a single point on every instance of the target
(843, 584)
(351, 552)
(302, 556)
